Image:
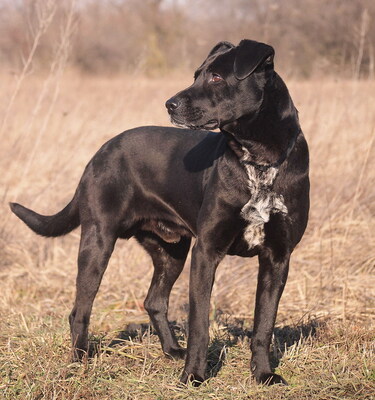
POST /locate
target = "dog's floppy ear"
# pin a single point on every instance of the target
(250, 54)
(221, 47)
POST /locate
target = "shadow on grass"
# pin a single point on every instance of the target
(132, 332)
(234, 331)
(136, 332)
(230, 332)
(288, 336)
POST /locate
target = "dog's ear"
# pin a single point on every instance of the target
(221, 47)
(250, 54)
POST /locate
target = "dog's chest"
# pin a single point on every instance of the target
(262, 203)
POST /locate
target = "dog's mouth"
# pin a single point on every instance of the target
(211, 124)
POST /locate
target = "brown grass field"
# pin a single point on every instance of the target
(324, 342)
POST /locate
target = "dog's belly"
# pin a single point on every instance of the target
(166, 230)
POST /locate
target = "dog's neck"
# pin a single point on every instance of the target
(265, 140)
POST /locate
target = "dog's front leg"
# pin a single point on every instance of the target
(273, 272)
(202, 273)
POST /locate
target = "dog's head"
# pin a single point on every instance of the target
(227, 86)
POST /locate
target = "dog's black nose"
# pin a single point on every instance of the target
(172, 104)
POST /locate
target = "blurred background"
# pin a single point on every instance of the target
(312, 37)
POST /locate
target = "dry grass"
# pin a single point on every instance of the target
(324, 344)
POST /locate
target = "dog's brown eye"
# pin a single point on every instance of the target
(216, 78)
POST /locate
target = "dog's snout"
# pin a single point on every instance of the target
(172, 104)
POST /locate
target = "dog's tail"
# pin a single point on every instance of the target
(52, 225)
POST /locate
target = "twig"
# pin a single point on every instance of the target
(45, 17)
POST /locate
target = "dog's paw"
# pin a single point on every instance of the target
(176, 354)
(272, 379)
(78, 355)
(189, 378)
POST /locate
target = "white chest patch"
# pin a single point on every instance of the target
(262, 203)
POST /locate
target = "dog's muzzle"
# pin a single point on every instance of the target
(212, 124)
(173, 104)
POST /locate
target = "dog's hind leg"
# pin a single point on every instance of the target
(168, 260)
(96, 246)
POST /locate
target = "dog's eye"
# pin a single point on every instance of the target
(215, 78)
(269, 60)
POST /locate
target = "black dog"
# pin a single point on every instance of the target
(244, 191)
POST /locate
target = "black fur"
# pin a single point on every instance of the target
(167, 185)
